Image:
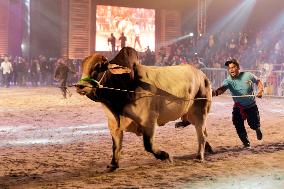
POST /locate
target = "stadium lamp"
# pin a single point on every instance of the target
(23, 46)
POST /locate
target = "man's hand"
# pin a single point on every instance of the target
(260, 89)
(219, 91)
(259, 94)
(214, 92)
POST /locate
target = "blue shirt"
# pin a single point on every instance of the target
(241, 85)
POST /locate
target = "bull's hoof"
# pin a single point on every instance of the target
(167, 158)
(208, 148)
(111, 168)
(170, 160)
(199, 158)
(164, 156)
(182, 124)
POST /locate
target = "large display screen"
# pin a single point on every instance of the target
(137, 25)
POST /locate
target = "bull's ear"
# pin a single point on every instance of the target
(104, 64)
(117, 69)
(104, 60)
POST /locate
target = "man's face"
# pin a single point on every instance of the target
(233, 70)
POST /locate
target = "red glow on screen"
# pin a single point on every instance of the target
(137, 24)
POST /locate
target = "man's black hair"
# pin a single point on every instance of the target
(232, 61)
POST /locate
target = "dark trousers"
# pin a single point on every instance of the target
(21, 78)
(253, 120)
(113, 48)
(34, 78)
(6, 78)
(63, 87)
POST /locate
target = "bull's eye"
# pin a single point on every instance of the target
(80, 86)
(94, 74)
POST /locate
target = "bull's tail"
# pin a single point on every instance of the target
(208, 93)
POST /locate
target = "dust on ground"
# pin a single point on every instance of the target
(49, 142)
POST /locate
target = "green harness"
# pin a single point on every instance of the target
(91, 80)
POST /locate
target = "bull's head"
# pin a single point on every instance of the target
(94, 68)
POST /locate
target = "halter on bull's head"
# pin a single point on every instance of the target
(94, 70)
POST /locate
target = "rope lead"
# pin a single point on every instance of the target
(149, 93)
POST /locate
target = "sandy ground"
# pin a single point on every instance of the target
(48, 142)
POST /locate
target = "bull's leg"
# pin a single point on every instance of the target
(201, 136)
(148, 138)
(208, 147)
(117, 136)
(197, 114)
(201, 142)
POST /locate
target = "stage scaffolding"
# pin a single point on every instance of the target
(201, 17)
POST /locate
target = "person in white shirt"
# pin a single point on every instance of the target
(6, 67)
(137, 36)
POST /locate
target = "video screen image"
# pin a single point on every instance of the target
(133, 27)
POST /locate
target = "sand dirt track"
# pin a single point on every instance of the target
(47, 142)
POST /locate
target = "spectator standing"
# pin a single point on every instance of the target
(61, 75)
(21, 69)
(35, 72)
(111, 40)
(137, 35)
(123, 40)
(7, 69)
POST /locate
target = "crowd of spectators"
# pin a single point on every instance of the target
(37, 72)
(262, 52)
(251, 49)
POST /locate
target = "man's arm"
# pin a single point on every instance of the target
(219, 91)
(259, 85)
(259, 88)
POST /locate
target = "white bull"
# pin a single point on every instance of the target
(162, 94)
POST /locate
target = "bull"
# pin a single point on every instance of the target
(138, 98)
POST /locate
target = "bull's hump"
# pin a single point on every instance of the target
(175, 73)
(174, 80)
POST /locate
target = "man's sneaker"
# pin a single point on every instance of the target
(258, 134)
(247, 145)
(182, 124)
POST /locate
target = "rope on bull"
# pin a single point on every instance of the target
(149, 93)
